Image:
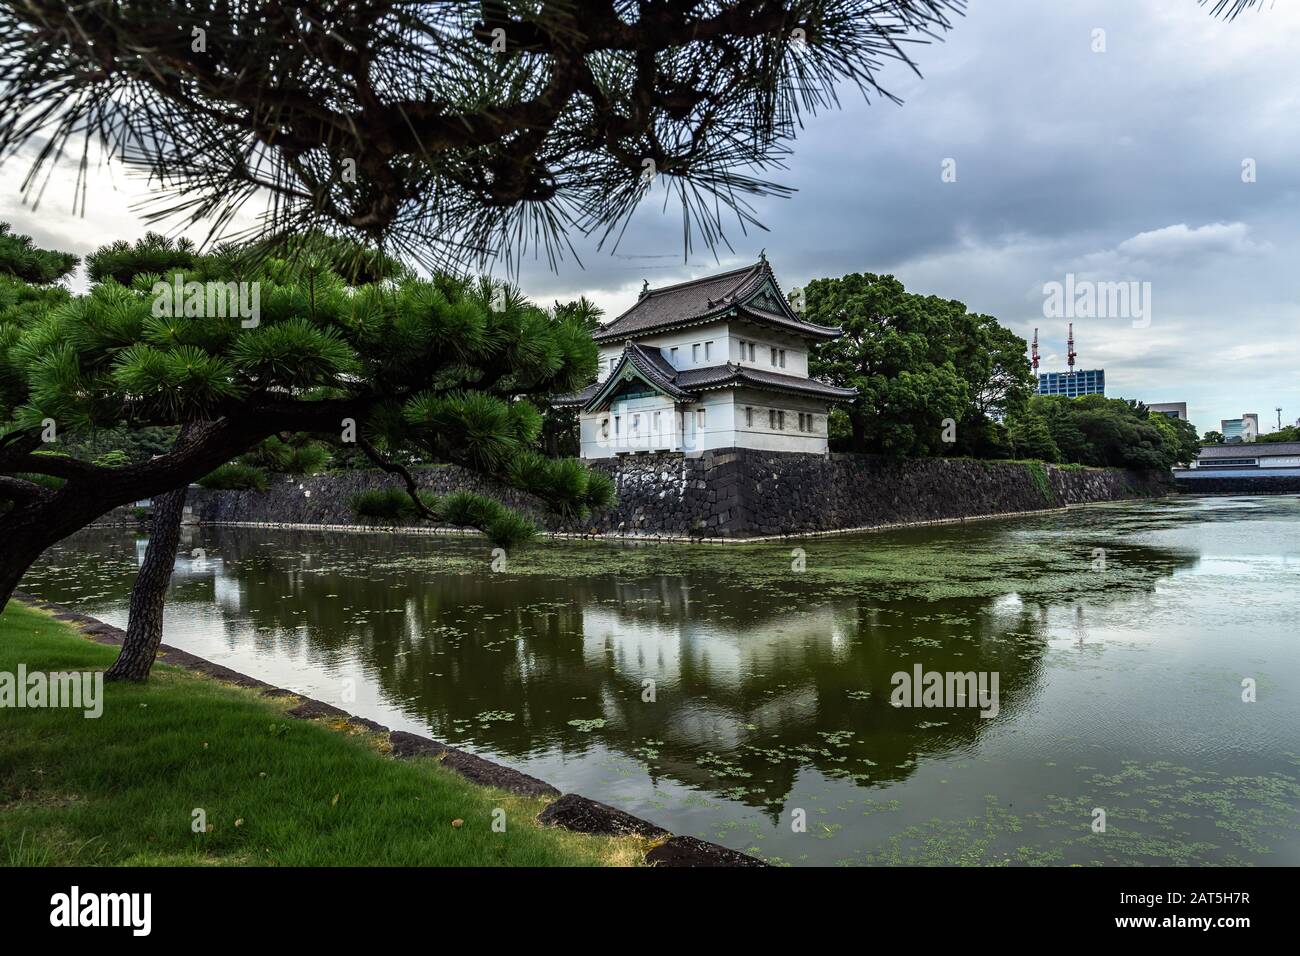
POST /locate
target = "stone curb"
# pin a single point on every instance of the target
(570, 811)
(653, 537)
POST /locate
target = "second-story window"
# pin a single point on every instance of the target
(708, 347)
(695, 353)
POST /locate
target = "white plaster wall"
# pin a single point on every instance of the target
(724, 346)
(764, 339)
(635, 429)
(724, 425)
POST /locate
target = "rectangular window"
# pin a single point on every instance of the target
(780, 421)
(751, 352)
(771, 419)
(773, 357)
(782, 354)
(742, 350)
(708, 347)
(654, 423)
(604, 428)
(636, 423)
(699, 418)
(672, 356)
(749, 416)
(695, 353)
(618, 423)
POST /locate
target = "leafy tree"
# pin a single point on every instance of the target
(560, 424)
(992, 360)
(21, 259)
(1212, 438)
(1031, 438)
(900, 351)
(1181, 445)
(1102, 432)
(1285, 433)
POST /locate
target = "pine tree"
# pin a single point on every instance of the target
(447, 365)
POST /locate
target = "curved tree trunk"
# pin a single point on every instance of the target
(858, 419)
(145, 625)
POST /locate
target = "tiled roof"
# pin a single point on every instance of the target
(708, 298)
(720, 376)
(1249, 449)
(685, 385)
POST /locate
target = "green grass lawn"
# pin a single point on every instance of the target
(123, 788)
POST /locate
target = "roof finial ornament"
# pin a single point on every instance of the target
(762, 254)
(645, 288)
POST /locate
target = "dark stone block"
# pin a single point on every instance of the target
(312, 709)
(413, 745)
(688, 851)
(572, 812)
(490, 774)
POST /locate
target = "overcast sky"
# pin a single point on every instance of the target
(1122, 165)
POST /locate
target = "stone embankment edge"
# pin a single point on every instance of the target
(569, 811)
(653, 536)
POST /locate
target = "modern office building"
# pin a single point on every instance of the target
(1090, 381)
(1169, 409)
(1243, 429)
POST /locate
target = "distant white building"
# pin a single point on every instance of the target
(1243, 429)
(1170, 409)
(718, 362)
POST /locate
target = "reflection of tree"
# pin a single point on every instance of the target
(751, 683)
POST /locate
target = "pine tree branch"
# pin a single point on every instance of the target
(23, 492)
(393, 468)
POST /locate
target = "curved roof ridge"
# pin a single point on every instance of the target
(709, 278)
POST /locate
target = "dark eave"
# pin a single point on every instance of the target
(724, 376)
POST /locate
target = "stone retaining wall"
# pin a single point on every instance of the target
(1240, 485)
(729, 494)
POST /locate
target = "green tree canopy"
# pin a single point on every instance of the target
(122, 261)
(1101, 432)
(21, 259)
(448, 365)
(915, 361)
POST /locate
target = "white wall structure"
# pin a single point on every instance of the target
(718, 362)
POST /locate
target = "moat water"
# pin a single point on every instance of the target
(742, 693)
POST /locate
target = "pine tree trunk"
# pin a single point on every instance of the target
(145, 626)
